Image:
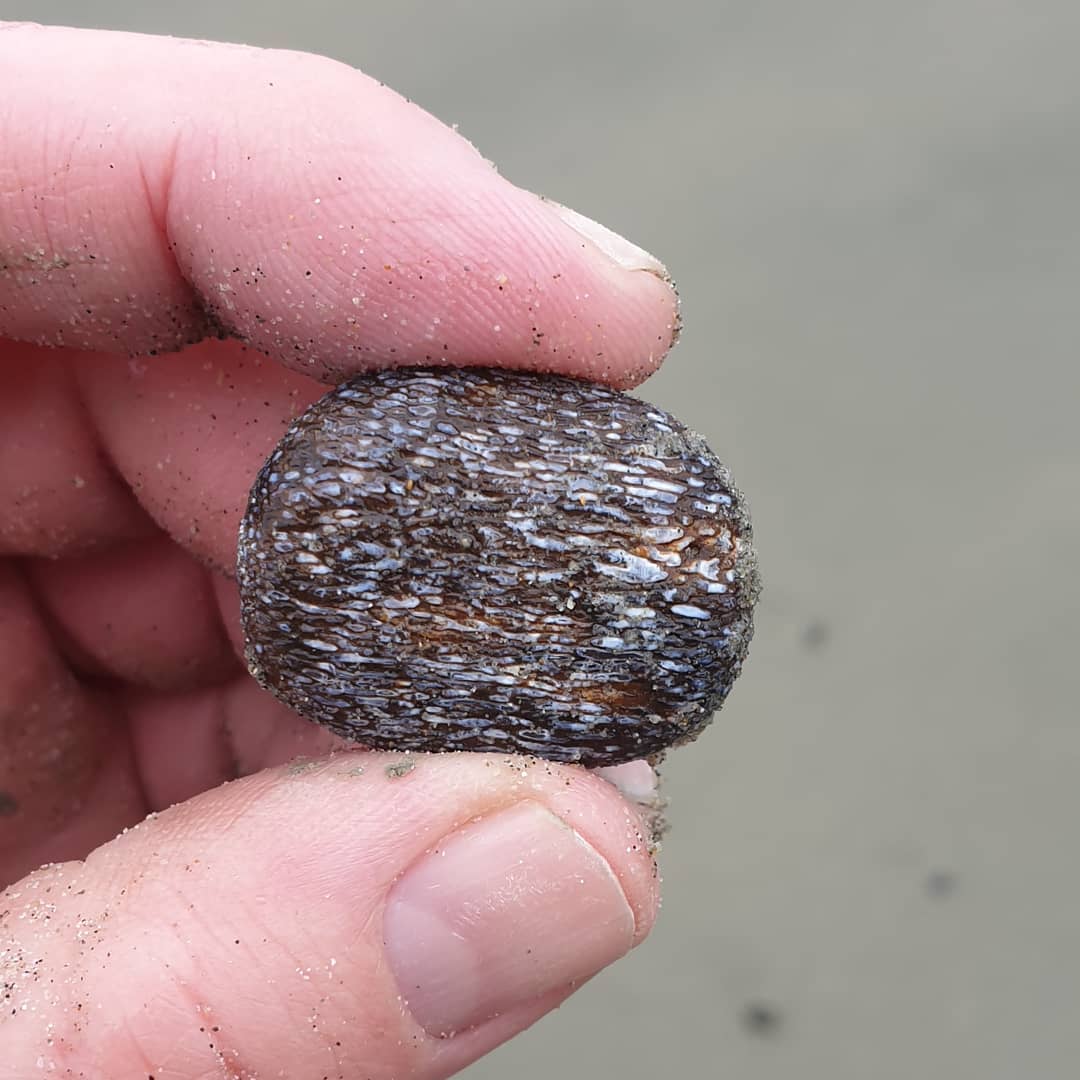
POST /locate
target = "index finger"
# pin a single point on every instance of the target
(155, 191)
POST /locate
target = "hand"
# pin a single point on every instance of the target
(333, 914)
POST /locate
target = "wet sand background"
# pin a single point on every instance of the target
(871, 211)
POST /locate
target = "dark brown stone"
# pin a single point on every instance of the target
(483, 560)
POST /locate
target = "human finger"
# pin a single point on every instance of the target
(66, 782)
(371, 914)
(156, 191)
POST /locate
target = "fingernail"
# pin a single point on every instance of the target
(505, 910)
(614, 246)
(636, 780)
(639, 783)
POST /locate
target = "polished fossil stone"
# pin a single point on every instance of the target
(487, 560)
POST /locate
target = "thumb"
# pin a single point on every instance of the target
(365, 915)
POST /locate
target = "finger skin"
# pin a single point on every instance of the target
(188, 433)
(61, 750)
(158, 190)
(58, 491)
(244, 929)
(154, 193)
(140, 612)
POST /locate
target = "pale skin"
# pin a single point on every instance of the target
(194, 240)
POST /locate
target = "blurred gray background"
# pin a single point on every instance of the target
(871, 211)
